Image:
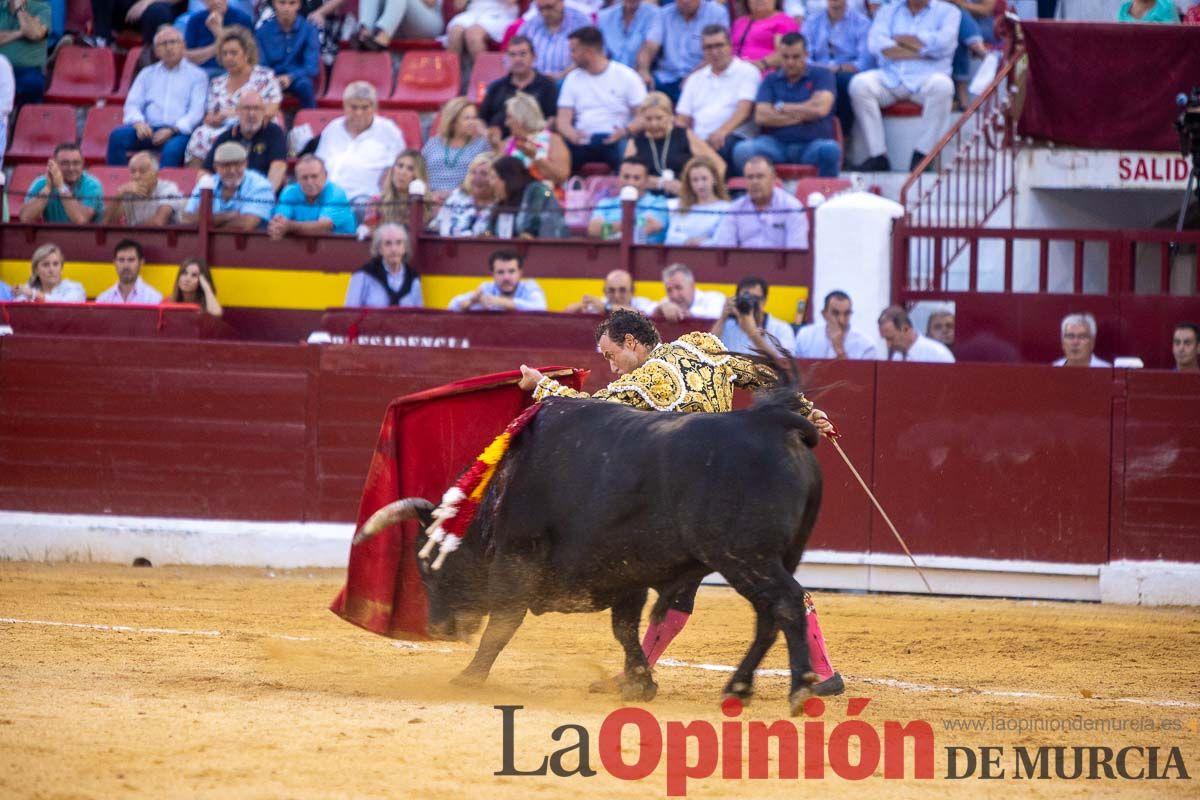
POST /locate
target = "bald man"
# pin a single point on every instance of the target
(618, 293)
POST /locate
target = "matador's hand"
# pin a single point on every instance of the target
(823, 424)
(529, 378)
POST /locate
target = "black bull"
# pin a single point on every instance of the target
(597, 502)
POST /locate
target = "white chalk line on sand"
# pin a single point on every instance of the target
(665, 662)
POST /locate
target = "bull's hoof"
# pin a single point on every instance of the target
(638, 692)
(830, 686)
(606, 686)
(741, 690)
(805, 690)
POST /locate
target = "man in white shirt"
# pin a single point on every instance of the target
(834, 338)
(618, 293)
(684, 300)
(130, 288)
(905, 344)
(1079, 342)
(8, 91)
(359, 147)
(717, 101)
(145, 199)
(743, 326)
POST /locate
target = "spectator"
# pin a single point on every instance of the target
(674, 40)
(541, 150)
(717, 101)
(65, 193)
(24, 26)
(905, 344)
(128, 259)
(703, 202)
(525, 207)
(392, 203)
(387, 279)
(46, 282)
(597, 102)
(1184, 347)
(264, 140)
(468, 209)
(650, 212)
(1148, 11)
(548, 31)
(766, 216)
(414, 19)
(242, 198)
(291, 48)
(756, 35)
(626, 25)
(618, 293)
(460, 138)
(1192, 15)
(8, 94)
(312, 206)
(144, 16)
(203, 34)
(913, 41)
(940, 327)
(1078, 342)
(323, 16)
(795, 109)
(834, 338)
(359, 147)
(239, 55)
(482, 22)
(976, 26)
(665, 147)
(744, 327)
(145, 199)
(837, 40)
(194, 284)
(506, 291)
(6, 294)
(684, 300)
(521, 78)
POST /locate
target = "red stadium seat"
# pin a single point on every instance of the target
(350, 66)
(79, 17)
(427, 79)
(409, 124)
(38, 130)
(22, 178)
(826, 186)
(82, 75)
(316, 118)
(99, 124)
(903, 108)
(111, 178)
(185, 178)
(127, 75)
(488, 67)
(594, 168)
(794, 172)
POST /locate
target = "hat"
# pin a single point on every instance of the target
(229, 152)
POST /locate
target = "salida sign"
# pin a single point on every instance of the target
(1152, 169)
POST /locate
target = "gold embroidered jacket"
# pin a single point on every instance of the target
(692, 373)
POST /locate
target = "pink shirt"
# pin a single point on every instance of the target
(142, 294)
(759, 41)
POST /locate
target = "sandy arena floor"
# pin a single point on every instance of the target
(232, 683)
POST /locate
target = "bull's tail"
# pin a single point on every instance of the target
(392, 514)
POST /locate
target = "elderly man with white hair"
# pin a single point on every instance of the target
(684, 300)
(359, 147)
(145, 199)
(1078, 342)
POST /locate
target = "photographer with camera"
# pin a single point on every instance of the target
(744, 327)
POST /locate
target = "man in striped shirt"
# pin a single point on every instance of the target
(548, 31)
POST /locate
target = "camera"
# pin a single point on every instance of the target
(746, 303)
(1188, 123)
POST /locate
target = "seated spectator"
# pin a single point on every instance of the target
(766, 216)
(794, 107)
(264, 140)
(312, 206)
(46, 283)
(525, 207)
(380, 20)
(324, 16)
(6, 294)
(144, 16)
(542, 151)
(756, 35)
(521, 78)
(548, 31)
(65, 193)
(665, 147)
(618, 293)
(1184, 347)
(359, 147)
(290, 47)
(703, 201)
(1078, 342)
(684, 300)
(717, 101)
(905, 344)
(673, 43)
(164, 105)
(744, 327)
(1148, 11)
(913, 42)
(834, 338)
(626, 25)
(24, 28)
(1192, 15)
(239, 55)
(650, 212)
(597, 102)
(194, 284)
(128, 259)
(940, 327)
(837, 40)
(460, 137)
(506, 291)
(387, 279)
(202, 34)
(145, 199)
(482, 23)
(468, 209)
(242, 199)
(391, 205)
(8, 94)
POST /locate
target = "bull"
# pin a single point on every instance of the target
(596, 502)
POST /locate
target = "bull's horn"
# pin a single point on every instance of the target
(391, 514)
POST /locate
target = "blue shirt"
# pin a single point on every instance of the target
(528, 297)
(87, 191)
(776, 88)
(682, 50)
(936, 25)
(253, 196)
(551, 51)
(295, 53)
(197, 34)
(842, 42)
(168, 98)
(331, 204)
(623, 43)
(5, 292)
(653, 205)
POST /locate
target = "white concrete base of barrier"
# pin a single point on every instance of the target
(61, 537)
